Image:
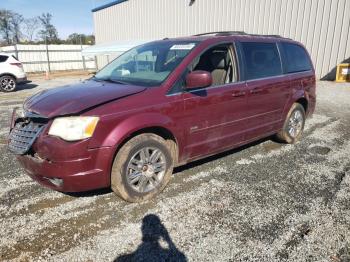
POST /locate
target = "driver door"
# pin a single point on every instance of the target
(214, 116)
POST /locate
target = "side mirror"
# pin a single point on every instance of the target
(198, 79)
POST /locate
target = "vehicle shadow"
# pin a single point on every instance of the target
(91, 193)
(26, 85)
(331, 75)
(221, 155)
(154, 237)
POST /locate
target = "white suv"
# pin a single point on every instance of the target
(11, 72)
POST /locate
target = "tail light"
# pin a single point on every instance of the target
(19, 64)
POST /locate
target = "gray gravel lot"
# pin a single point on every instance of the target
(262, 202)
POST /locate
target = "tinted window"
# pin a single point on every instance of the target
(261, 60)
(3, 58)
(297, 59)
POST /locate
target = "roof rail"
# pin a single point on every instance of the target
(223, 33)
(277, 36)
(226, 33)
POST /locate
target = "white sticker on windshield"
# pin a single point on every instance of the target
(182, 47)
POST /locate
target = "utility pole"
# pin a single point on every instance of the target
(83, 57)
(16, 51)
(47, 76)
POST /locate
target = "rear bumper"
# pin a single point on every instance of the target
(76, 175)
(21, 80)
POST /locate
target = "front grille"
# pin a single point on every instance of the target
(23, 135)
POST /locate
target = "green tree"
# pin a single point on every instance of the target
(80, 39)
(49, 31)
(6, 27)
(10, 26)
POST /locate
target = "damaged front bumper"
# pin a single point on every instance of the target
(74, 175)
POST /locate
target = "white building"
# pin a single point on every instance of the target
(323, 26)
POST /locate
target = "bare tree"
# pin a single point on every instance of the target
(6, 27)
(29, 28)
(16, 21)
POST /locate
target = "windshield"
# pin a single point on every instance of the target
(146, 65)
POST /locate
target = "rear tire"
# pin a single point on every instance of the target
(142, 168)
(7, 83)
(293, 126)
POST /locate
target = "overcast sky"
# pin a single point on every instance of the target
(69, 16)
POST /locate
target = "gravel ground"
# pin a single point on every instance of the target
(262, 202)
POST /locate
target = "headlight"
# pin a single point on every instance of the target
(16, 113)
(73, 128)
(19, 111)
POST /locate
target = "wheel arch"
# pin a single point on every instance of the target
(300, 97)
(161, 131)
(130, 127)
(304, 102)
(8, 74)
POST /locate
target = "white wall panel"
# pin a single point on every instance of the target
(323, 26)
(62, 57)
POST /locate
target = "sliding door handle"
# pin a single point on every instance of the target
(238, 94)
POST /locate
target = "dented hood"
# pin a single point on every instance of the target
(72, 99)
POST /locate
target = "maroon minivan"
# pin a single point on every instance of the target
(164, 104)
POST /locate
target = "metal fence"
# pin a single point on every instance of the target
(42, 58)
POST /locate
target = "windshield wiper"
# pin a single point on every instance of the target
(117, 81)
(95, 78)
(110, 80)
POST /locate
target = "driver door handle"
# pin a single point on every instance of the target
(256, 90)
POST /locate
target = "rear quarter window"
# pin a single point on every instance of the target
(297, 60)
(261, 60)
(3, 58)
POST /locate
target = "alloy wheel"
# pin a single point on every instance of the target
(146, 169)
(295, 124)
(7, 84)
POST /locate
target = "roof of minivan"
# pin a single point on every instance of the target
(209, 38)
(236, 36)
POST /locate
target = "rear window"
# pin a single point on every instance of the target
(261, 60)
(297, 59)
(3, 58)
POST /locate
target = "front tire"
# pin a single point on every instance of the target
(142, 168)
(294, 125)
(7, 83)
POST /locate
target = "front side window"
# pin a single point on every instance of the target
(297, 59)
(261, 60)
(220, 62)
(146, 65)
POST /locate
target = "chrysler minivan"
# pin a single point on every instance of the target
(161, 105)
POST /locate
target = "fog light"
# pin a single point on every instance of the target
(55, 181)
